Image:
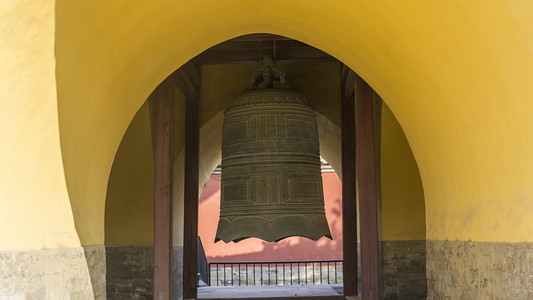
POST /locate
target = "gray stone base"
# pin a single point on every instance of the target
(95, 257)
(130, 272)
(177, 272)
(479, 270)
(404, 270)
(53, 274)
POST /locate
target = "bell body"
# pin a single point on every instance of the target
(271, 180)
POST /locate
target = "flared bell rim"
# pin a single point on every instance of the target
(311, 227)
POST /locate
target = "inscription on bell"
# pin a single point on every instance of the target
(271, 180)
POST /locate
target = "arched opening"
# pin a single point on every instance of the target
(215, 84)
(456, 74)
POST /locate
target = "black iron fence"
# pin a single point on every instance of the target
(203, 267)
(275, 273)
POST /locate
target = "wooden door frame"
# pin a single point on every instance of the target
(358, 182)
(162, 114)
(349, 183)
(188, 80)
(367, 192)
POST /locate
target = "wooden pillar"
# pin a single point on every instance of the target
(190, 250)
(378, 108)
(188, 80)
(367, 189)
(162, 111)
(349, 204)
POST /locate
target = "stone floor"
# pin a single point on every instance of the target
(269, 291)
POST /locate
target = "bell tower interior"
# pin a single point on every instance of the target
(215, 77)
(95, 93)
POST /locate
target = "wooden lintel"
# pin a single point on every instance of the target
(162, 114)
(253, 55)
(367, 189)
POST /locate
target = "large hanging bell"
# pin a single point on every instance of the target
(271, 179)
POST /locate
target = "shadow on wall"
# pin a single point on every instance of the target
(253, 249)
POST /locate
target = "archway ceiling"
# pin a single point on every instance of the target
(457, 75)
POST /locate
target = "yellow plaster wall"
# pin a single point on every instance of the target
(130, 191)
(457, 75)
(129, 202)
(402, 196)
(35, 211)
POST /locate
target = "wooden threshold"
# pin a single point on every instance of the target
(277, 298)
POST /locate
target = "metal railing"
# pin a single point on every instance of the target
(275, 272)
(203, 267)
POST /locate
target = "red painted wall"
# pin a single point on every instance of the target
(252, 249)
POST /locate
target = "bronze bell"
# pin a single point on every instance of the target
(271, 179)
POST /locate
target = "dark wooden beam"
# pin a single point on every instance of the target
(367, 190)
(217, 55)
(349, 204)
(192, 157)
(249, 49)
(378, 108)
(348, 79)
(162, 112)
(257, 37)
(187, 78)
(378, 111)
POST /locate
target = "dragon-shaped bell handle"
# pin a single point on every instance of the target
(267, 73)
